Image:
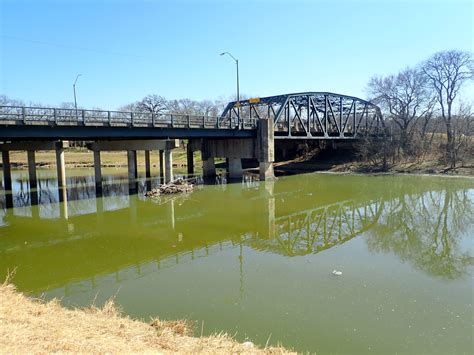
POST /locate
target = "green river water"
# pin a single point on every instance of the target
(256, 260)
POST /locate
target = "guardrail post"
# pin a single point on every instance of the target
(189, 121)
(152, 119)
(23, 114)
(109, 118)
(131, 119)
(172, 123)
(55, 114)
(83, 114)
(218, 122)
(203, 122)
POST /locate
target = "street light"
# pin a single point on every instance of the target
(237, 64)
(74, 88)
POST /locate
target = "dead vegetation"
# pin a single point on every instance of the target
(34, 326)
(175, 187)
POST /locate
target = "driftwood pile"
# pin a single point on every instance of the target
(175, 187)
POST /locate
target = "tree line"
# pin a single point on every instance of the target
(422, 110)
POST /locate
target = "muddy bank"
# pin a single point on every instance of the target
(33, 326)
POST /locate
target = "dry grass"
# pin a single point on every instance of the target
(34, 326)
(84, 158)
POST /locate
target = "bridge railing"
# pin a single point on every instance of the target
(21, 115)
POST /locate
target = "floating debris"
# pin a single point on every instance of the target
(175, 187)
(337, 273)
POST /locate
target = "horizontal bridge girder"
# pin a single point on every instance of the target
(30, 132)
(122, 145)
(31, 145)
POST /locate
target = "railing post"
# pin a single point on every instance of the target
(189, 121)
(172, 123)
(203, 122)
(109, 118)
(217, 122)
(23, 114)
(131, 119)
(83, 113)
(153, 119)
(55, 114)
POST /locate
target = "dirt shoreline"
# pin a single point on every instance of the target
(34, 326)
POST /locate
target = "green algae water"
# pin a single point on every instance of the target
(257, 260)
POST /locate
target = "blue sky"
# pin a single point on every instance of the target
(128, 49)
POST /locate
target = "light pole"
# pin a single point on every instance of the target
(74, 88)
(238, 94)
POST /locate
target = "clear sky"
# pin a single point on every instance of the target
(128, 49)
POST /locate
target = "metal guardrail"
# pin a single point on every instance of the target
(21, 115)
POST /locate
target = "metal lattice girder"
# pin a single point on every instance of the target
(318, 115)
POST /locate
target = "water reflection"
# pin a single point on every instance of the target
(422, 225)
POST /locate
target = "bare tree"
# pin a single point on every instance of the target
(448, 71)
(405, 97)
(152, 103)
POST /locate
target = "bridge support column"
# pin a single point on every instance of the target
(147, 164)
(190, 159)
(60, 165)
(235, 168)
(168, 166)
(266, 148)
(132, 171)
(7, 173)
(32, 177)
(61, 172)
(97, 173)
(162, 167)
(208, 167)
(7, 178)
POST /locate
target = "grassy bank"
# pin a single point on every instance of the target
(34, 326)
(79, 158)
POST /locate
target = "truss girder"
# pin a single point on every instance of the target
(318, 115)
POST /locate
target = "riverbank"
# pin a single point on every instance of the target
(34, 326)
(82, 158)
(336, 162)
(330, 162)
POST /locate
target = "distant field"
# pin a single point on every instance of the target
(84, 158)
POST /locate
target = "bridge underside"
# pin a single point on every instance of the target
(310, 115)
(84, 132)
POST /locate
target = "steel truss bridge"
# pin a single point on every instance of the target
(310, 115)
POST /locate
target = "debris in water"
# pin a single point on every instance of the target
(337, 273)
(175, 187)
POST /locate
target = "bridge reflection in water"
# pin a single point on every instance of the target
(127, 236)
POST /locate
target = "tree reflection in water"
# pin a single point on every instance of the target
(426, 229)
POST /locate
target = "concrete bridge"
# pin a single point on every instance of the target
(248, 129)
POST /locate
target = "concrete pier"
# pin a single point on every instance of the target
(97, 173)
(162, 167)
(208, 168)
(266, 149)
(190, 159)
(7, 179)
(147, 164)
(32, 169)
(7, 173)
(168, 166)
(132, 146)
(60, 165)
(235, 168)
(132, 170)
